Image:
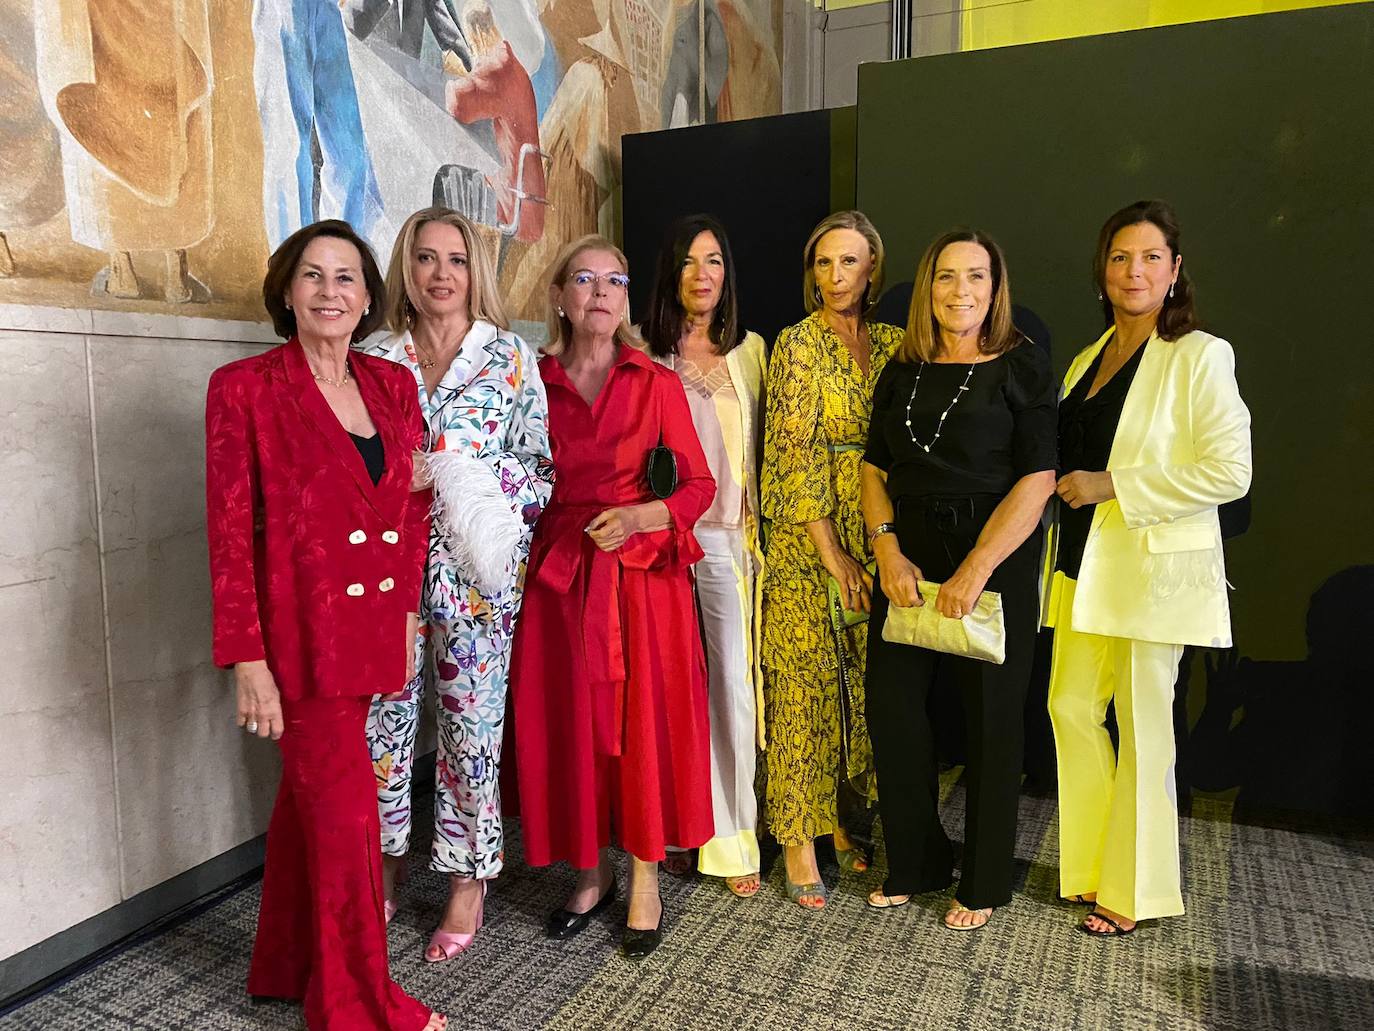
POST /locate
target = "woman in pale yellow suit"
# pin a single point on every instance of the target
(1153, 436)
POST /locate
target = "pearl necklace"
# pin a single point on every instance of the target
(939, 426)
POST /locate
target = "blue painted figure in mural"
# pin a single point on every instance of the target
(308, 106)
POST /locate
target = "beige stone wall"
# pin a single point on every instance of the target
(124, 766)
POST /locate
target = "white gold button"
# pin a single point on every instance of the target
(355, 590)
(390, 536)
(385, 585)
(357, 537)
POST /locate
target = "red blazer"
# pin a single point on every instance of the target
(312, 567)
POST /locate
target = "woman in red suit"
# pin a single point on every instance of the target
(608, 679)
(316, 552)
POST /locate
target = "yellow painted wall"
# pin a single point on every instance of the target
(996, 23)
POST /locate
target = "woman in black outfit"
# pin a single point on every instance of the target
(959, 466)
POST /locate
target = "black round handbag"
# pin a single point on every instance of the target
(661, 470)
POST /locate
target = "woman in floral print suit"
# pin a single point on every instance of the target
(485, 408)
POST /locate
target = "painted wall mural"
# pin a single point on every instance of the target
(153, 153)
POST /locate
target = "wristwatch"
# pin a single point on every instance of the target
(879, 530)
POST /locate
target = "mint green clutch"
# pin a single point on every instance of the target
(841, 617)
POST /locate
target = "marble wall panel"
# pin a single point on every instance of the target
(59, 858)
(191, 786)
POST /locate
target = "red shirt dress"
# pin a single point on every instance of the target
(608, 677)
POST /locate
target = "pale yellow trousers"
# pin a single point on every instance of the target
(1118, 813)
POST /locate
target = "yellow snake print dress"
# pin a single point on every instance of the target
(816, 430)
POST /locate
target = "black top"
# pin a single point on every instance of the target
(1087, 428)
(373, 455)
(1001, 429)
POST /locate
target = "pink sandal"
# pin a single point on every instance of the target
(453, 943)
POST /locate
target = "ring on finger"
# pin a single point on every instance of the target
(251, 726)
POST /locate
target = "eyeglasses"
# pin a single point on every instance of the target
(614, 280)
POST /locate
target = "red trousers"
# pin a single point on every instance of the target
(321, 928)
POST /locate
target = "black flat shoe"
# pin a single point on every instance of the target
(637, 944)
(563, 923)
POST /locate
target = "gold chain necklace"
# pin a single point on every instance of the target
(332, 382)
(430, 362)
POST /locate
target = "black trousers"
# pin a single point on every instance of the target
(936, 534)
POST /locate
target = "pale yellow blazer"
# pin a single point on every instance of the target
(1152, 567)
(748, 366)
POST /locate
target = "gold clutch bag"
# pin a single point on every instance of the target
(981, 634)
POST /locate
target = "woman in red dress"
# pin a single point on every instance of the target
(608, 679)
(317, 546)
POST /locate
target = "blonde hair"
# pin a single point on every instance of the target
(484, 302)
(921, 342)
(857, 221)
(560, 328)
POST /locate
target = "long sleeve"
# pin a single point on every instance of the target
(1219, 424)
(231, 501)
(525, 463)
(695, 485)
(417, 513)
(795, 476)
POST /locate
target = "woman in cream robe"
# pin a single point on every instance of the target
(693, 329)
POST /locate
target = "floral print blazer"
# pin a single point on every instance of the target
(491, 404)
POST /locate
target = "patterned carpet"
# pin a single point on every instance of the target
(1279, 935)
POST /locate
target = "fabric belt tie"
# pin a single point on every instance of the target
(948, 514)
(605, 664)
(572, 557)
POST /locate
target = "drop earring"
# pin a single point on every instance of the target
(1099, 295)
(561, 313)
(1171, 287)
(367, 310)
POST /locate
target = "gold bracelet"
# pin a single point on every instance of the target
(878, 531)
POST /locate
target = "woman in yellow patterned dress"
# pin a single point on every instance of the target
(820, 388)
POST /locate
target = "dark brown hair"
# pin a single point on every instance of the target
(663, 325)
(921, 343)
(1179, 314)
(281, 267)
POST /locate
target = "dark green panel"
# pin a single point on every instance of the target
(843, 141)
(1261, 132)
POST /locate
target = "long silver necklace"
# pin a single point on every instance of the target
(939, 426)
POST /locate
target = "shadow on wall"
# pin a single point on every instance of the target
(1301, 743)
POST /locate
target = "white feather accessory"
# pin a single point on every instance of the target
(477, 520)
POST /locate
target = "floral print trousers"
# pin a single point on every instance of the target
(464, 661)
